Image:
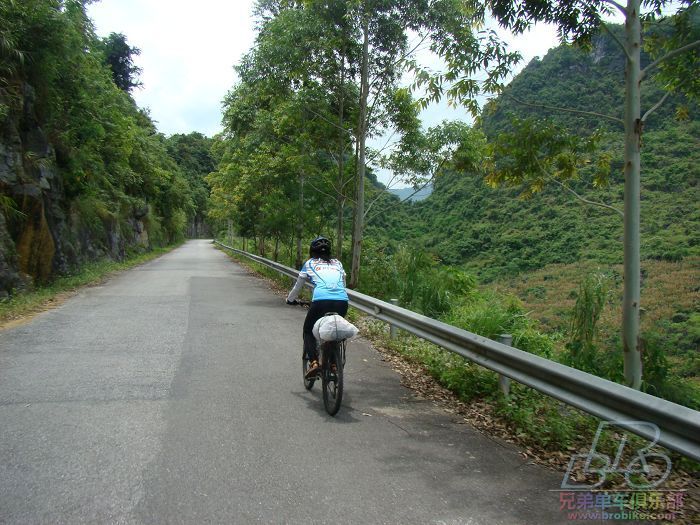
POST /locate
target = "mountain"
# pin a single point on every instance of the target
(411, 194)
(84, 173)
(494, 232)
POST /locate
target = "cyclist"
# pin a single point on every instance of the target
(328, 277)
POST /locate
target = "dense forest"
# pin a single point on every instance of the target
(548, 247)
(84, 173)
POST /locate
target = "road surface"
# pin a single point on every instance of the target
(172, 393)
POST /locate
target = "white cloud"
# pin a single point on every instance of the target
(188, 50)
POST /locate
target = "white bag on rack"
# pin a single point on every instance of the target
(334, 328)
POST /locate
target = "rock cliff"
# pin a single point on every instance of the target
(43, 232)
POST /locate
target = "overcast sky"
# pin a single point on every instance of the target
(188, 50)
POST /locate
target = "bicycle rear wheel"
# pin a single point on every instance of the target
(332, 376)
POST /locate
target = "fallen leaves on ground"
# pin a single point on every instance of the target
(482, 415)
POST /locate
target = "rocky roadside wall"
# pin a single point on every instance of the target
(42, 232)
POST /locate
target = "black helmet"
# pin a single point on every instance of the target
(320, 246)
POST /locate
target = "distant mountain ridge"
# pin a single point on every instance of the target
(411, 194)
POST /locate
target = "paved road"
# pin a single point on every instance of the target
(172, 394)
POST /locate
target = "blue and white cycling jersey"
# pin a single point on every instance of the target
(328, 278)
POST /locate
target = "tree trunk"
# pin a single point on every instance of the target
(276, 255)
(300, 222)
(359, 216)
(341, 227)
(341, 160)
(633, 133)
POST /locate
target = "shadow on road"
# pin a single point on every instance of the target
(314, 402)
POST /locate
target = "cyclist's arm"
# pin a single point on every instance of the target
(342, 271)
(294, 293)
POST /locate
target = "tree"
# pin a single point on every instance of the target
(292, 74)
(577, 21)
(191, 153)
(119, 55)
(385, 55)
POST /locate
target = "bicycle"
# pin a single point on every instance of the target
(332, 356)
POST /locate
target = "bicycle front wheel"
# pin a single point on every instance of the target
(332, 377)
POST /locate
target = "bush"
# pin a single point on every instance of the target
(415, 278)
(591, 299)
(657, 379)
(493, 315)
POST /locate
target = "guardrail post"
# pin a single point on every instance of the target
(503, 381)
(393, 331)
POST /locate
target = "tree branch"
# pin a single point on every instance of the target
(569, 110)
(320, 190)
(668, 55)
(582, 199)
(379, 151)
(656, 106)
(432, 177)
(370, 111)
(384, 78)
(328, 120)
(617, 40)
(586, 201)
(399, 60)
(391, 181)
(618, 6)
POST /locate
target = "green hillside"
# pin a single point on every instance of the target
(84, 173)
(493, 232)
(544, 247)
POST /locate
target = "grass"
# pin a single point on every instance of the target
(670, 304)
(550, 293)
(47, 295)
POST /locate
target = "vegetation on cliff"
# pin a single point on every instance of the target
(84, 173)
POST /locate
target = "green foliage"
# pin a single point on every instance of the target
(541, 419)
(8, 207)
(490, 232)
(491, 315)
(658, 378)
(192, 154)
(416, 279)
(535, 152)
(592, 297)
(477, 60)
(111, 160)
(678, 74)
(119, 56)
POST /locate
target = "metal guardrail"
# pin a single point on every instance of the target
(679, 426)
